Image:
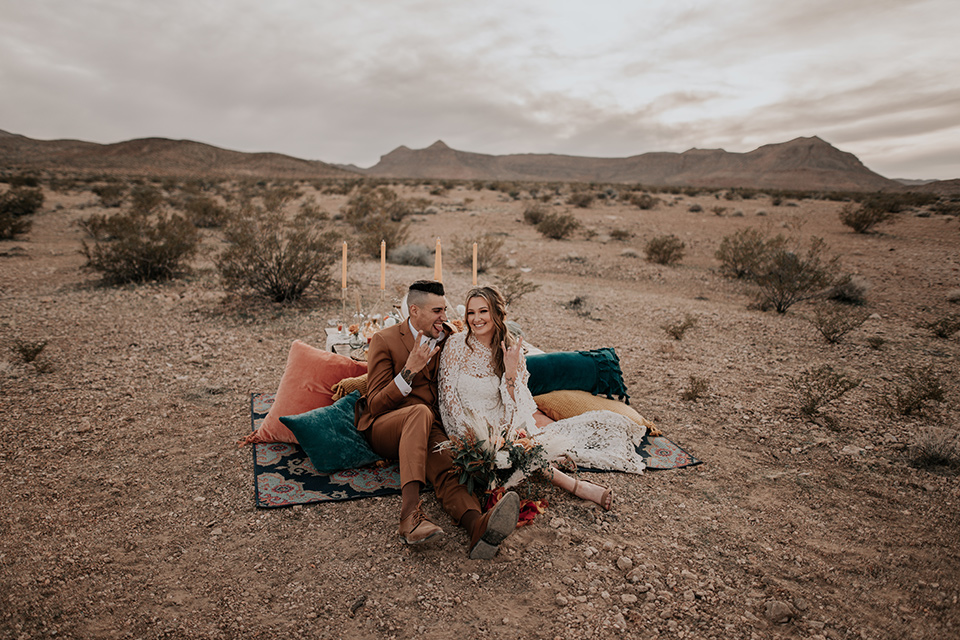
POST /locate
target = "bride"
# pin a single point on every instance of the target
(483, 374)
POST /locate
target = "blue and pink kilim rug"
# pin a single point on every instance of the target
(283, 475)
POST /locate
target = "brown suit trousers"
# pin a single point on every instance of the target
(407, 428)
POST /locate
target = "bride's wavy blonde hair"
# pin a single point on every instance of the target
(498, 313)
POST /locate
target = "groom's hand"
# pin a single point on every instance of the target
(419, 357)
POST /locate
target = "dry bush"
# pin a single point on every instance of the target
(620, 235)
(514, 287)
(850, 290)
(145, 199)
(677, 329)
(310, 211)
(833, 322)
(205, 213)
(920, 387)
(643, 200)
(558, 226)
(789, 277)
(697, 388)
(820, 386)
(413, 255)
(695, 208)
(936, 448)
(377, 215)
(137, 247)
(665, 249)
(746, 253)
(489, 252)
(863, 218)
(534, 213)
(718, 211)
(581, 199)
(945, 326)
(274, 259)
(28, 351)
(111, 194)
(15, 205)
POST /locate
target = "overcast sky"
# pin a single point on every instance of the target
(350, 81)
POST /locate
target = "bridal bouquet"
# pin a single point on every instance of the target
(490, 456)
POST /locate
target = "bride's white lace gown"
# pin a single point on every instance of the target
(469, 389)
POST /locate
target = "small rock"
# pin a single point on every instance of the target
(635, 576)
(217, 532)
(561, 600)
(801, 604)
(556, 523)
(779, 612)
(624, 563)
(852, 450)
(628, 598)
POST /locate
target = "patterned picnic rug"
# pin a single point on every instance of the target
(284, 476)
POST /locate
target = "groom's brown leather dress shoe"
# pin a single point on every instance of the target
(415, 528)
(494, 526)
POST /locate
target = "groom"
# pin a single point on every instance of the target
(399, 417)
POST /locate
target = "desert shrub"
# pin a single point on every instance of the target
(696, 388)
(695, 208)
(676, 329)
(310, 211)
(413, 255)
(376, 203)
(578, 305)
(643, 200)
(377, 214)
(718, 211)
(11, 227)
(28, 351)
(746, 253)
(620, 234)
(205, 212)
(135, 247)
(558, 226)
(274, 259)
(111, 194)
(489, 252)
(849, 290)
(819, 386)
(947, 208)
(945, 326)
(581, 199)
(514, 287)
(789, 277)
(834, 322)
(935, 448)
(20, 201)
(918, 388)
(863, 218)
(534, 213)
(665, 249)
(144, 199)
(23, 180)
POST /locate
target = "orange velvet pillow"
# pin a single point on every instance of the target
(307, 384)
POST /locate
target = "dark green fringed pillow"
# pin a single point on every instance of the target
(597, 372)
(329, 437)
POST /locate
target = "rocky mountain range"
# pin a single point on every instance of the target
(803, 163)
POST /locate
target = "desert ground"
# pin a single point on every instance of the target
(128, 510)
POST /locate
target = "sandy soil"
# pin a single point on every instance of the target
(127, 511)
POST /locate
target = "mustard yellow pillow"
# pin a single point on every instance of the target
(348, 385)
(568, 403)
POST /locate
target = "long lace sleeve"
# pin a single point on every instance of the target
(521, 407)
(452, 366)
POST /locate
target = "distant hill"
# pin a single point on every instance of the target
(154, 156)
(803, 163)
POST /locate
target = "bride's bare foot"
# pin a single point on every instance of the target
(594, 493)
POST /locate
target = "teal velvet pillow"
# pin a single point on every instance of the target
(329, 437)
(597, 372)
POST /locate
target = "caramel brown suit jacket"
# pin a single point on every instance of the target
(386, 356)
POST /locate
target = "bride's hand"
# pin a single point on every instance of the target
(511, 358)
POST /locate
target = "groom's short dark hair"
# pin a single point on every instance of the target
(427, 286)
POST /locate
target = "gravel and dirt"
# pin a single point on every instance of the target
(128, 511)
